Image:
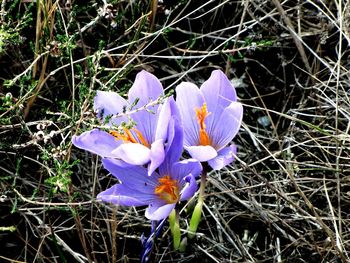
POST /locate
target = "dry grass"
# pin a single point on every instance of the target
(285, 199)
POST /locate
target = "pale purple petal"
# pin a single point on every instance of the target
(107, 103)
(163, 120)
(225, 157)
(218, 89)
(175, 133)
(174, 109)
(146, 88)
(121, 195)
(219, 94)
(117, 162)
(97, 142)
(202, 153)
(174, 146)
(133, 153)
(175, 140)
(134, 177)
(189, 187)
(156, 211)
(157, 155)
(227, 126)
(146, 122)
(184, 168)
(188, 99)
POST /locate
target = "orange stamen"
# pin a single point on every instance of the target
(128, 137)
(167, 190)
(201, 114)
(203, 138)
(141, 138)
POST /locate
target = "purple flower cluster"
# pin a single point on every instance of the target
(142, 148)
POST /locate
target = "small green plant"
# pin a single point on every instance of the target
(7, 36)
(6, 102)
(62, 178)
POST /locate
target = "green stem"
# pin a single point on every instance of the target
(197, 212)
(175, 228)
(203, 184)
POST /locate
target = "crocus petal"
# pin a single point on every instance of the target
(163, 119)
(202, 153)
(146, 121)
(97, 142)
(182, 169)
(121, 195)
(134, 177)
(218, 90)
(174, 146)
(175, 132)
(175, 140)
(133, 153)
(188, 99)
(174, 109)
(219, 94)
(189, 189)
(227, 126)
(118, 162)
(153, 121)
(157, 155)
(155, 211)
(146, 88)
(107, 103)
(225, 157)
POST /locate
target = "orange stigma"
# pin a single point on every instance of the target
(201, 114)
(128, 137)
(167, 190)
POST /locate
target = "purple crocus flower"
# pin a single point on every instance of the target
(137, 145)
(174, 181)
(211, 118)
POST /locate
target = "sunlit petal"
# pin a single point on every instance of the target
(107, 103)
(157, 155)
(156, 211)
(97, 142)
(146, 88)
(133, 153)
(202, 153)
(225, 157)
(227, 126)
(188, 99)
(121, 195)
